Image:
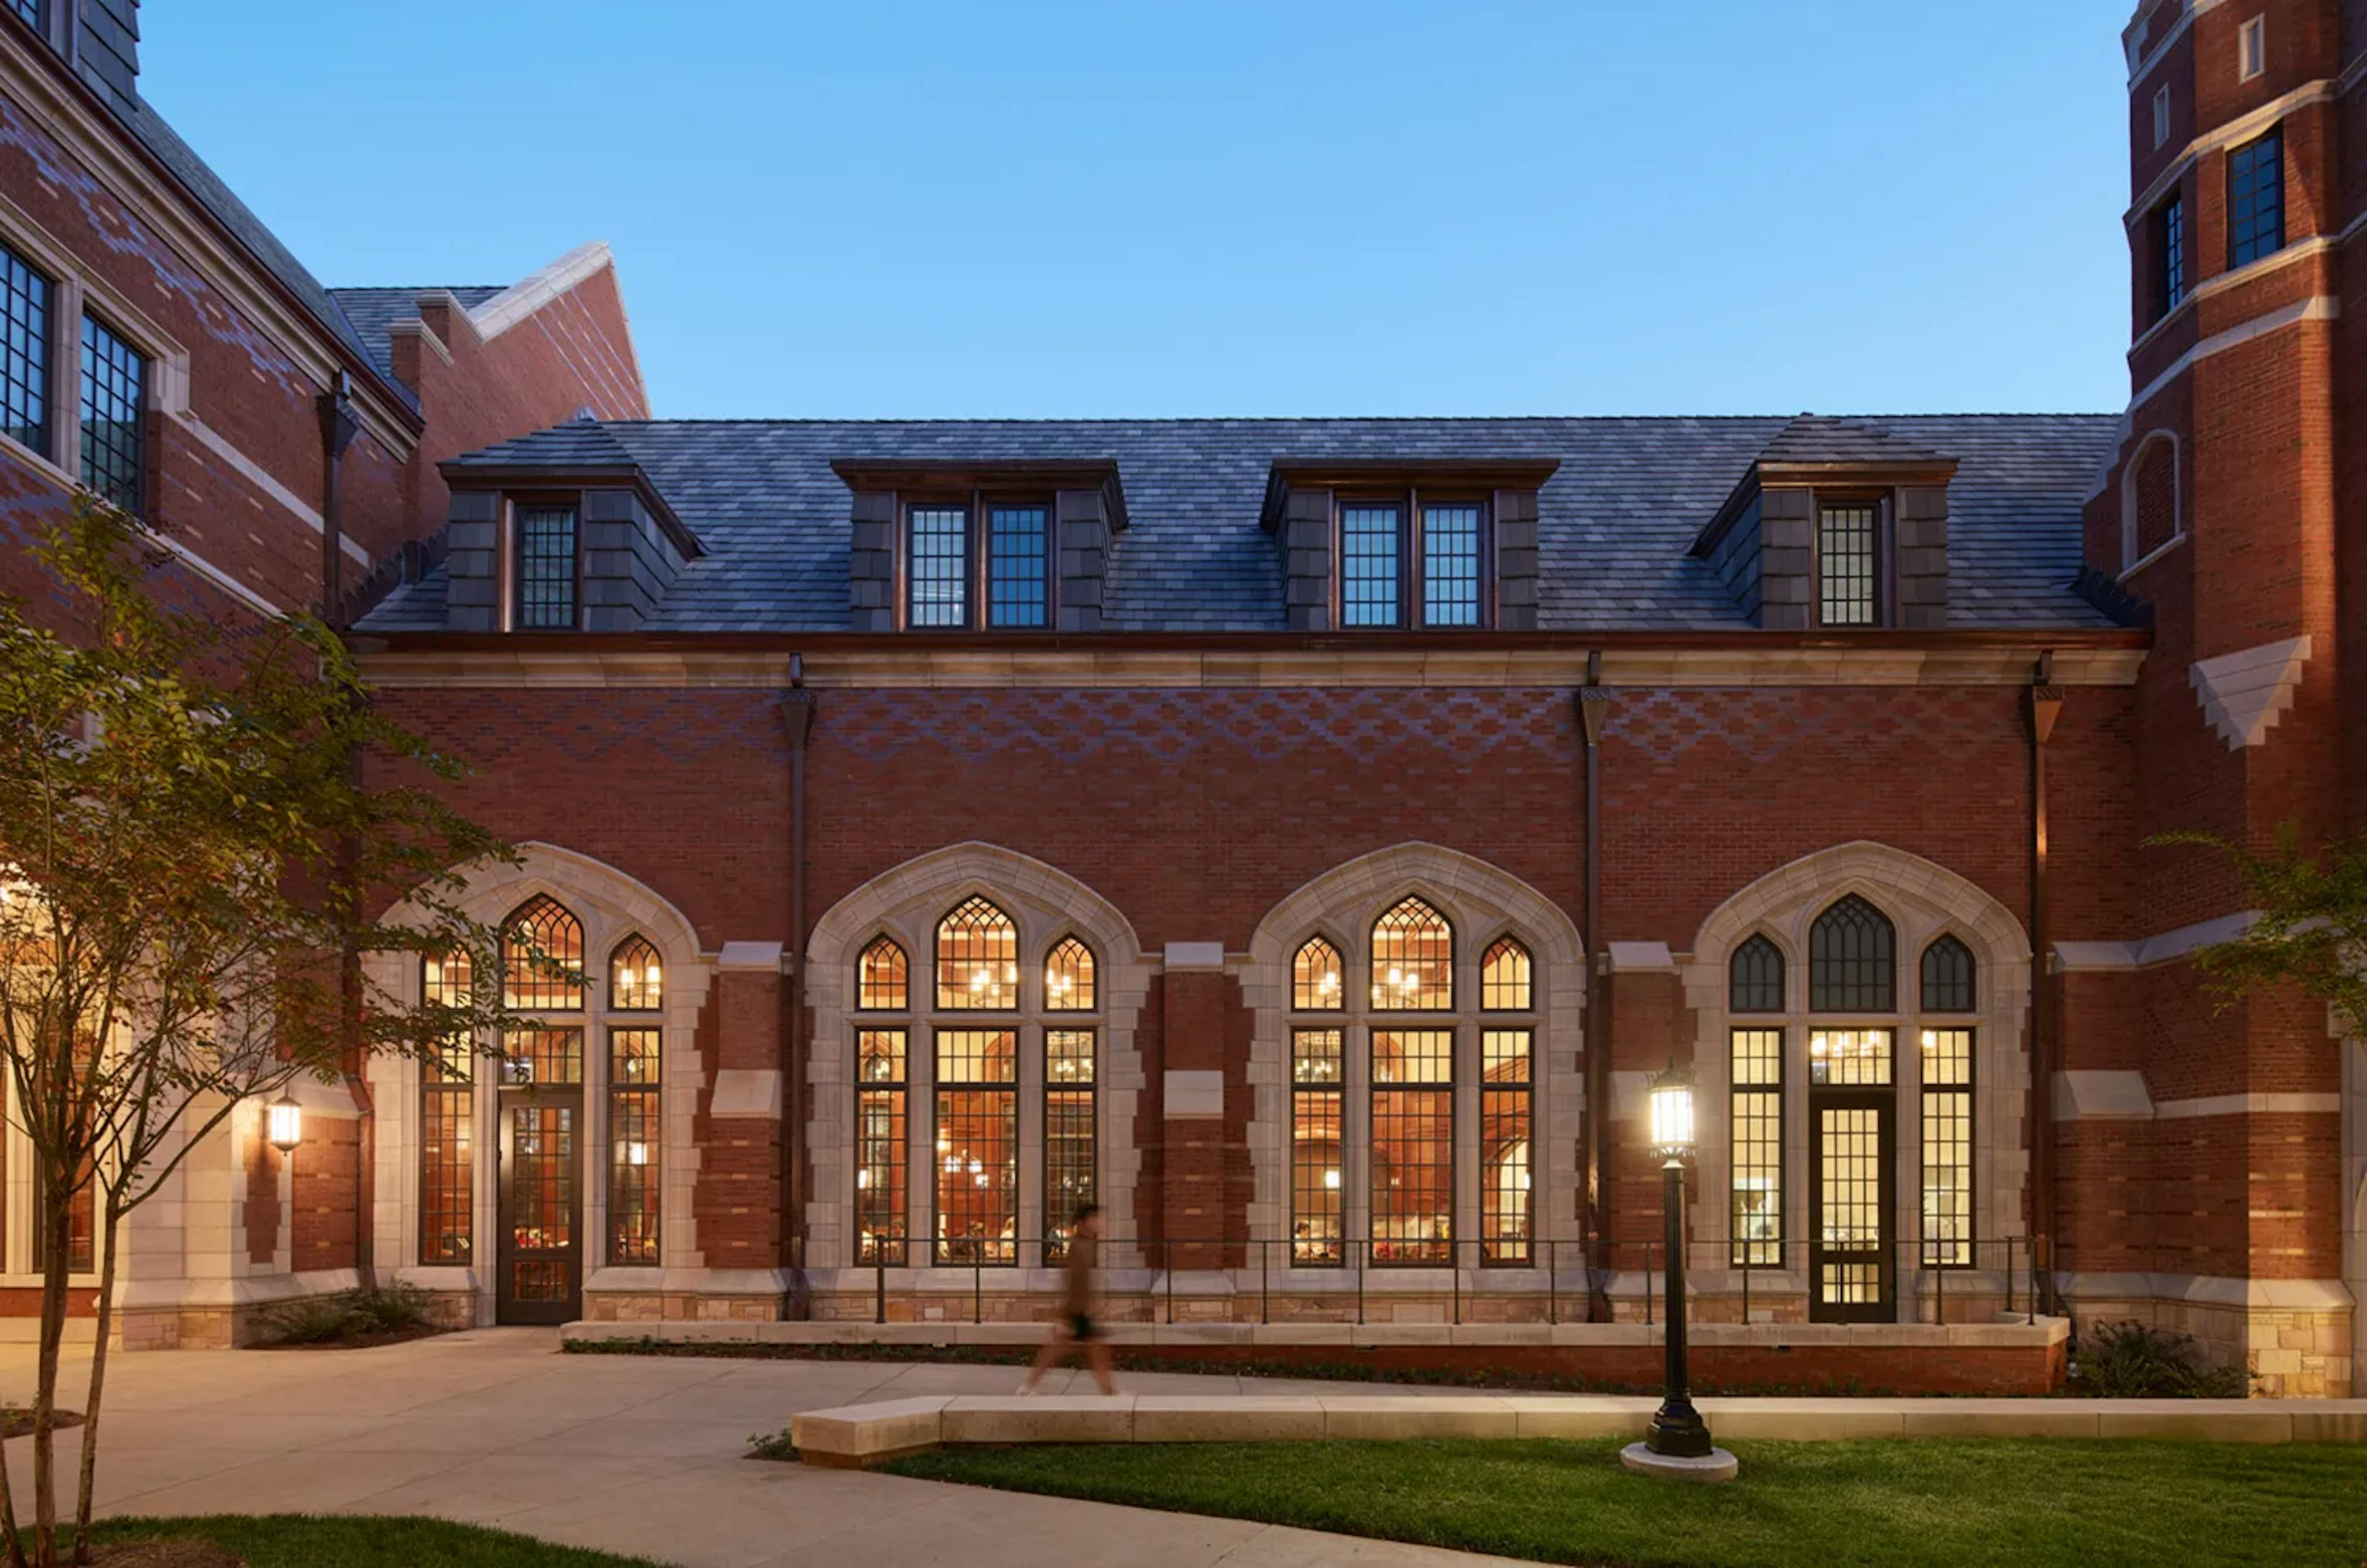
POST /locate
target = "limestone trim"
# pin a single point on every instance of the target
(2234, 133)
(531, 293)
(2244, 694)
(2317, 308)
(1924, 901)
(2167, 947)
(1484, 902)
(1045, 904)
(612, 905)
(2248, 1105)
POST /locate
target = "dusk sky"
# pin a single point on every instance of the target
(957, 209)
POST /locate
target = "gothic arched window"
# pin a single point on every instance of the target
(978, 959)
(542, 958)
(1947, 977)
(882, 977)
(1754, 980)
(1851, 964)
(1413, 960)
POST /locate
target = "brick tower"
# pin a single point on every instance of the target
(2205, 1180)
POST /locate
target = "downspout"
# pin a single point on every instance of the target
(1595, 713)
(339, 425)
(2046, 707)
(798, 710)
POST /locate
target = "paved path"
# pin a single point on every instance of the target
(632, 1454)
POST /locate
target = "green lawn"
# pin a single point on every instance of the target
(2032, 1504)
(303, 1540)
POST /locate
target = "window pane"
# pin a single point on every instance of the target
(1315, 977)
(1947, 977)
(1413, 960)
(1755, 978)
(2170, 240)
(24, 353)
(636, 978)
(1504, 979)
(29, 10)
(1845, 566)
(978, 1148)
(2256, 200)
(634, 1141)
(446, 1165)
(1948, 1147)
(1450, 566)
(1017, 540)
(880, 1146)
(881, 983)
(1414, 1146)
(1368, 565)
(546, 568)
(1317, 1231)
(1504, 1144)
(543, 1056)
(978, 959)
(1068, 1183)
(1068, 978)
(1849, 1058)
(937, 566)
(542, 958)
(114, 377)
(1851, 962)
(1757, 1223)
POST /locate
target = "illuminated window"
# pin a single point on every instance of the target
(1315, 977)
(1505, 976)
(1069, 1150)
(1318, 1235)
(879, 1152)
(1755, 978)
(1505, 1139)
(1413, 960)
(1849, 1058)
(447, 1142)
(978, 959)
(636, 978)
(976, 1144)
(1757, 1126)
(1068, 978)
(114, 391)
(1413, 1146)
(542, 958)
(1947, 1148)
(882, 977)
(635, 1136)
(1947, 977)
(549, 1056)
(1851, 966)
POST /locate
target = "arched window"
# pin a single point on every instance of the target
(1754, 980)
(1413, 960)
(636, 978)
(542, 958)
(882, 977)
(978, 959)
(1851, 964)
(1505, 976)
(1315, 977)
(1068, 977)
(1947, 977)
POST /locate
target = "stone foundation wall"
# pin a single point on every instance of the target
(2292, 1353)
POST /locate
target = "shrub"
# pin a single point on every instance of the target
(316, 1322)
(349, 1315)
(2129, 1361)
(393, 1308)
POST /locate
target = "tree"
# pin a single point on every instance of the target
(192, 862)
(2310, 925)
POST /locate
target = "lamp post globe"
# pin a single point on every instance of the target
(284, 1121)
(1678, 1431)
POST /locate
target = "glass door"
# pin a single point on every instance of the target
(541, 1254)
(1851, 1108)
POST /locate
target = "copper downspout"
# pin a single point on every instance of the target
(798, 711)
(2046, 707)
(1595, 713)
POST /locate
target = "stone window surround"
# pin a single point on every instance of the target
(2131, 561)
(1045, 905)
(1483, 902)
(612, 907)
(1923, 901)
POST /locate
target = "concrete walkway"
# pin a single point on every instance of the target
(630, 1454)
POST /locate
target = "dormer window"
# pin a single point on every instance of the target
(1411, 561)
(544, 566)
(1852, 560)
(980, 543)
(947, 576)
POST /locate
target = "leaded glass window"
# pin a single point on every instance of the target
(1068, 977)
(977, 1146)
(937, 566)
(1948, 1148)
(24, 353)
(1317, 1233)
(636, 977)
(542, 958)
(1369, 551)
(550, 1055)
(1450, 566)
(1413, 960)
(1849, 1058)
(1754, 981)
(446, 1122)
(114, 386)
(879, 1152)
(634, 1138)
(1757, 1145)
(882, 977)
(544, 568)
(1948, 976)
(2256, 200)
(1848, 550)
(1506, 1113)
(1852, 967)
(1506, 978)
(1017, 566)
(978, 959)
(1069, 1148)
(1413, 1146)
(1315, 977)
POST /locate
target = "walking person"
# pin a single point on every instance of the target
(1076, 1328)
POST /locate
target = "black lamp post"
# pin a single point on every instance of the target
(1678, 1430)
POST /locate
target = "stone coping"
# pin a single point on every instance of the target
(2015, 1335)
(856, 1436)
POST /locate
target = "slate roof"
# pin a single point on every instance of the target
(1818, 438)
(1615, 520)
(372, 311)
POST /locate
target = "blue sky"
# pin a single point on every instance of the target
(1222, 207)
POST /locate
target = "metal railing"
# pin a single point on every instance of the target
(2004, 1262)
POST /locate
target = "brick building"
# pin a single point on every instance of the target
(1306, 838)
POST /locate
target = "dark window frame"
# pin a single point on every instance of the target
(515, 504)
(1886, 556)
(1835, 977)
(1413, 505)
(976, 505)
(2170, 280)
(2247, 164)
(142, 363)
(40, 382)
